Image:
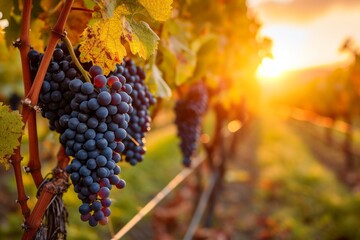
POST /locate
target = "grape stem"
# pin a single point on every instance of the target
(82, 9)
(133, 140)
(56, 8)
(68, 44)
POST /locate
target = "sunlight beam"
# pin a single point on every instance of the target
(269, 70)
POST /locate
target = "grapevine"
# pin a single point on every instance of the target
(97, 96)
(189, 112)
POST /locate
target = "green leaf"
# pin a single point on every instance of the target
(107, 7)
(186, 60)
(178, 59)
(157, 84)
(10, 130)
(206, 50)
(141, 38)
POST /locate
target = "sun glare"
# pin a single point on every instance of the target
(269, 70)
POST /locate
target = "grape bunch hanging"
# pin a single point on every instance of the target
(188, 112)
(140, 119)
(98, 121)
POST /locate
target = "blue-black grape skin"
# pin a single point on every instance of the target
(188, 112)
(93, 121)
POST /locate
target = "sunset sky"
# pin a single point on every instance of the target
(308, 33)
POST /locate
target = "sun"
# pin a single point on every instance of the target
(269, 70)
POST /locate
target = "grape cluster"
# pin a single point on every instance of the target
(140, 120)
(98, 122)
(55, 95)
(188, 113)
(94, 133)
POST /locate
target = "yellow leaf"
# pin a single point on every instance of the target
(160, 10)
(37, 26)
(101, 42)
(141, 38)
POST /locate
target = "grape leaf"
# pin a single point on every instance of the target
(36, 35)
(141, 38)
(77, 22)
(100, 43)
(157, 84)
(11, 129)
(159, 10)
(107, 7)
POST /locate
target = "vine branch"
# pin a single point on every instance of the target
(57, 33)
(16, 157)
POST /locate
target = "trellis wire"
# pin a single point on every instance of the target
(201, 207)
(159, 197)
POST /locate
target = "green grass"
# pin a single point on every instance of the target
(300, 195)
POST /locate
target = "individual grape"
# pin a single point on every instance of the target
(99, 215)
(58, 54)
(114, 179)
(75, 177)
(104, 221)
(102, 112)
(53, 67)
(92, 221)
(75, 85)
(115, 98)
(96, 206)
(87, 181)
(104, 182)
(112, 79)
(94, 188)
(87, 88)
(84, 171)
(92, 122)
(101, 161)
(84, 208)
(106, 202)
(123, 107)
(106, 211)
(93, 104)
(71, 73)
(58, 76)
(188, 113)
(85, 217)
(91, 164)
(81, 127)
(94, 71)
(104, 192)
(100, 81)
(104, 98)
(73, 123)
(116, 86)
(121, 184)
